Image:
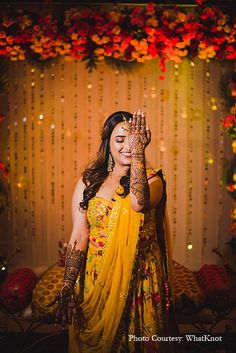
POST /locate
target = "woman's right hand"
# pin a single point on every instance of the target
(67, 304)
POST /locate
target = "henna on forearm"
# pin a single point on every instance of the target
(74, 263)
(139, 137)
(138, 178)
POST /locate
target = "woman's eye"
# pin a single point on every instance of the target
(119, 141)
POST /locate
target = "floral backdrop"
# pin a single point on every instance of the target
(53, 107)
(128, 34)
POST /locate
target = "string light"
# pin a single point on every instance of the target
(62, 188)
(175, 150)
(33, 152)
(206, 135)
(162, 146)
(190, 246)
(25, 159)
(89, 104)
(75, 121)
(190, 156)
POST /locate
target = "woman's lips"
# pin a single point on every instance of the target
(126, 154)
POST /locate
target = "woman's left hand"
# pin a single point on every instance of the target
(139, 135)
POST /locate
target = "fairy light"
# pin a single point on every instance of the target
(162, 146)
(33, 151)
(220, 164)
(175, 151)
(189, 206)
(190, 246)
(145, 95)
(62, 186)
(129, 89)
(52, 137)
(206, 135)
(116, 89)
(89, 104)
(15, 155)
(75, 121)
(25, 156)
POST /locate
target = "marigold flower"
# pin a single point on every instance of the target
(99, 51)
(181, 16)
(152, 21)
(10, 39)
(226, 29)
(2, 34)
(116, 55)
(114, 16)
(116, 30)
(74, 36)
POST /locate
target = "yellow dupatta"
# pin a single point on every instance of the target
(103, 307)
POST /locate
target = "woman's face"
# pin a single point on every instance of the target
(119, 145)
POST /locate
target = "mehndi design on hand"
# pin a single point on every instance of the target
(139, 137)
(75, 260)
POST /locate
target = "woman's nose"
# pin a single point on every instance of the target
(126, 144)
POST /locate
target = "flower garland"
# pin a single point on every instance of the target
(130, 34)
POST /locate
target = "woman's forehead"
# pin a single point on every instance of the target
(119, 130)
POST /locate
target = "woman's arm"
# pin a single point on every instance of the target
(80, 230)
(144, 194)
(75, 260)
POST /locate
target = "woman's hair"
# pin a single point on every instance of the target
(95, 174)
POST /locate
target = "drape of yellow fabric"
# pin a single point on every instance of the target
(104, 305)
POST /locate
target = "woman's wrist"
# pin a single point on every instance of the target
(137, 154)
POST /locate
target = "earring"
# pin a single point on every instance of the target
(110, 163)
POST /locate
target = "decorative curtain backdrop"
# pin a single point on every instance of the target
(56, 112)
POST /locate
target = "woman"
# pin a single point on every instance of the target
(115, 275)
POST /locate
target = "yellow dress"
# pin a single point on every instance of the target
(141, 321)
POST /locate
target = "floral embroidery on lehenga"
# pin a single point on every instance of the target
(142, 315)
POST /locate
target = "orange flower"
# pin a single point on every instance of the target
(10, 40)
(2, 35)
(181, 16)
(152, 21)
(114, 16)
(116, 30)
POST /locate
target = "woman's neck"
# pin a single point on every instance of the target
(120, 171)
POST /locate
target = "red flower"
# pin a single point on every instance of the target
(2, 166)
(5, 173)
(150, 7)
(231, 187)
(7, 22)
(2, 117)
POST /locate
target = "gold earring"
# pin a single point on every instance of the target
(110, 163)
